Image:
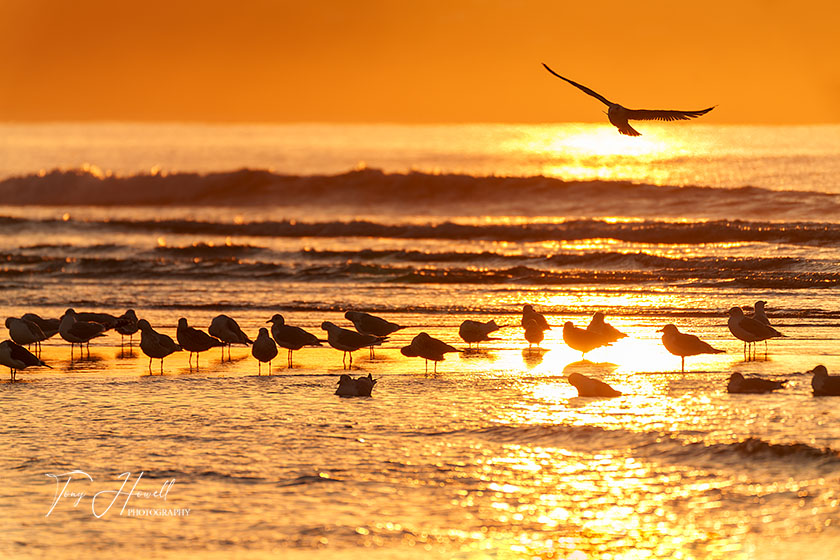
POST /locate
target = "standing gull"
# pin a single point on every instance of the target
(366, 323)
(476, 332)
(16, 357)
(760, 315)
(127, 326)
(289, 337)
(606, 333)
(581, 340)
(154, 344)
(619, 115)
(264, 349)
(348, 341)
(78, 332)
(427, 348)
(227, 330)
(529, 314)
(25, 332)
(749, 330)
(194, 341)
(682, 345)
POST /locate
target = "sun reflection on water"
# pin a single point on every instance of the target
(599, 152)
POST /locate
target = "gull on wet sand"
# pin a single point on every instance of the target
(264, 350)
(127, 326)
(749, 330)
(194, 341)
(25, 332)
(348, 341)
(529, 314)
(619, 115)
(589, 387)
(581, 340)
(290, 337)
(78, 332)
(739, 384)
(682, 344)
(428, 348)
(759, 314)
(16, 357)
(824, 385)
(227, 330)
(366, 323)
(154, 344)
(360, 387)
(476, 332)
(606, 332)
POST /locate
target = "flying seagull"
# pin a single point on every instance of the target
(619, 115)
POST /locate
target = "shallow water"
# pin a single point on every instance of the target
(493, 455)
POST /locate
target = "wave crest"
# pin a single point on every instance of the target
(415, 192)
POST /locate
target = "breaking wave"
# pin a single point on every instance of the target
(648, 231)
(416, 192)
(204, 261)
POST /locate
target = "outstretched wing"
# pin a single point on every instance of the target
(657, 115)
(584, 89)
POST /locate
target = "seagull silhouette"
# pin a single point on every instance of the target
(619, 115)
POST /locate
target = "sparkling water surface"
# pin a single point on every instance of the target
(493, 455)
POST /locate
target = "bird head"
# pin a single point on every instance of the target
(819, 371)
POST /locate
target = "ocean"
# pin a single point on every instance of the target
(490, 455)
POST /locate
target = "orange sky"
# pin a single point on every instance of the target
(760, 61)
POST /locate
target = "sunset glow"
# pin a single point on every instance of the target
(385, 62)
(431, 280)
